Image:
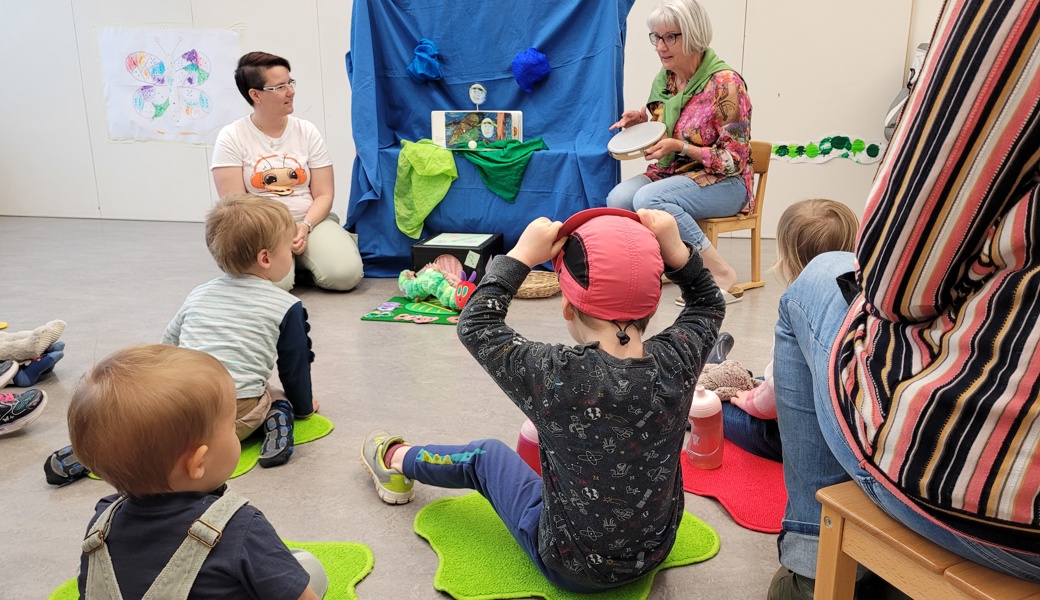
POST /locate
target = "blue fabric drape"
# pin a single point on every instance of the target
(478, 40)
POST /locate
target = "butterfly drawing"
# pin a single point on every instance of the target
(170, 89)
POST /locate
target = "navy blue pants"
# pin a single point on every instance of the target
(500, 475)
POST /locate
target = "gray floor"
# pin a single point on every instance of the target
(118, 283)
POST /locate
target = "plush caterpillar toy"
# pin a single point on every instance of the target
(453, 291)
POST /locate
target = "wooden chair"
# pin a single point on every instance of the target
(760, 152)
(855, 530)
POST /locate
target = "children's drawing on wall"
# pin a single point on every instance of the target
(173, 85)
(837, 145)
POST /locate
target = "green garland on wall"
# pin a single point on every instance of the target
(833, 146)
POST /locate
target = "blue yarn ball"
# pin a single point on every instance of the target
(530, 67)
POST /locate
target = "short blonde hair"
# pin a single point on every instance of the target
(141, 408)
(241, 225)
(809, 228)
(691, 19)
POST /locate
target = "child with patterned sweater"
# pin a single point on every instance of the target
(610, 412)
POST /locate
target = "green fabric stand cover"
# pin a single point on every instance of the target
(480, 560)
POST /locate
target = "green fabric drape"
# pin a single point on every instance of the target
(673, 104)
(502, 164)
(425, 171)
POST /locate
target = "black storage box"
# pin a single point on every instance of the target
(453, 252)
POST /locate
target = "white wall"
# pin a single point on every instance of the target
(813, 67)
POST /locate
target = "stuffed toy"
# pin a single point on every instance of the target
(453, 291)
(727, 378)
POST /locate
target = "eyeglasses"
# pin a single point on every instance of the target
(669, 38)
(280, 88)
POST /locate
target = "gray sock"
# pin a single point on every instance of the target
(27, 345)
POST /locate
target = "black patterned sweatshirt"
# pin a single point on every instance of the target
(610, 430)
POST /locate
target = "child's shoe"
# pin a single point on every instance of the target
(721, 349)
(62, 467)
(391, 485)
(278, 435)
(21, 409)
(8, 369)
(32, 371)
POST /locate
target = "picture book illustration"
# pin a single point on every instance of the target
(452, 128)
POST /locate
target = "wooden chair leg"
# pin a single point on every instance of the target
(756, 256)
(835, 570)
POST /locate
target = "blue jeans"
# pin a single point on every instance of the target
(816, 453)
(684, 199)
(500, 475)
(760, 437)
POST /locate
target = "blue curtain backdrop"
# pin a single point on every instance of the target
(478, 40)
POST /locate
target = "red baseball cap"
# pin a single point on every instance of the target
(610, 267)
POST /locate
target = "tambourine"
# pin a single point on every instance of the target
(633, 141)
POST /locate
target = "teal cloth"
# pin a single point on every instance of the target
(502, 164)
(673, 104)
(425, 171)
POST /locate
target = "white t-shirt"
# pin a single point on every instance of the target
(278, 168)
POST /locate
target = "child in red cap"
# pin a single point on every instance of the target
(610, 412)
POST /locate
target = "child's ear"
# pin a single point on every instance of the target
(194, 462)
(263, 258)
(568, 310)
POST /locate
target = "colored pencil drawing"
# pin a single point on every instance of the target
(171, 85)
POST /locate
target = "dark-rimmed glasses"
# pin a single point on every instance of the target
(669, 38)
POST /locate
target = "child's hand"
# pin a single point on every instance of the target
(741, 399)
(662, 224)
(538, 243)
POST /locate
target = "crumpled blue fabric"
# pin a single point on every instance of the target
(530, 67)
(425, 66)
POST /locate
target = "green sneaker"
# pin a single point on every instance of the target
(391, 485)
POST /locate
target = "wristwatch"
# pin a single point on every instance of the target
(310, 227)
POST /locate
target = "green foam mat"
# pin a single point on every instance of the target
(480, 560)
(404, 310)
(346, 564)
(304, 430)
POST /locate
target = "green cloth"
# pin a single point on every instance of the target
(346, 564)
(480, 560)
(424, 174)
(502, 164)
(673, 104)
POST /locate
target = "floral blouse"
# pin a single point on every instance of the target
(719, 119)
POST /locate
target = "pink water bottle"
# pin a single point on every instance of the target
(704, 448)
(527, 446)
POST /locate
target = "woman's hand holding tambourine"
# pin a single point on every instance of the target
(630, 118)
(663, 148)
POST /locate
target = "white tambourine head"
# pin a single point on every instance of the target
(633, 141)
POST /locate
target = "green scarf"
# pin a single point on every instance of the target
(673, 105)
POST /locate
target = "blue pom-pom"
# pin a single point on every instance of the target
(425, 66)
(530, 67)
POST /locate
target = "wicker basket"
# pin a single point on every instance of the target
(539, 284)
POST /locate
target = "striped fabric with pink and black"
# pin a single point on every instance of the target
(936, 370)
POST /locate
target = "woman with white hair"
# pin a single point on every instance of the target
(702, 166)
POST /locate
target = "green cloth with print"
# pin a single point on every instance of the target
(502, 163)
(425, 171)
(673, 104)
